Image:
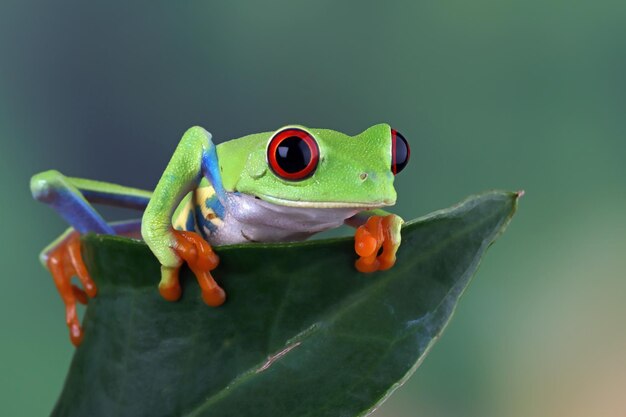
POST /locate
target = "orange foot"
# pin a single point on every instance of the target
(65, 262)
(194, 250)
(377, 232)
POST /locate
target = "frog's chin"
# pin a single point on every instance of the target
(326, 204)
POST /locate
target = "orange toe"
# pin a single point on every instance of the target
(364, 243)
(170, 289)
(374, 244)
(199, 255)
(214, 297)
(64, 262)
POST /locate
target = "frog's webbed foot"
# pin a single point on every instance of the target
(378, 232)
(64, 262)
(194, 250)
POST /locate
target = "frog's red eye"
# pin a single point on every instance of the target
(400, 152)
(293, 154)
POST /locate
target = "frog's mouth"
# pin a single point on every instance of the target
(326, 204)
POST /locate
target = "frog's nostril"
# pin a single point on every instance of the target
(363, 176)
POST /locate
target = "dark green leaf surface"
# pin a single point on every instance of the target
(302, 334)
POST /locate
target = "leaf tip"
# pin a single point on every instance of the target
(520, 193)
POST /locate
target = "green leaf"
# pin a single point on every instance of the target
(301, 334)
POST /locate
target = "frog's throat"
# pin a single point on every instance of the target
(326, 204)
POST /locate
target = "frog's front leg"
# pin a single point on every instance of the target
(194, 158)
(376, 229)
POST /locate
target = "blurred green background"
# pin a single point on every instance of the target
(491, 94)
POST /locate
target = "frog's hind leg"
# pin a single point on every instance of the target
(71, 198)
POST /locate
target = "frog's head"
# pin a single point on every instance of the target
(302, 167)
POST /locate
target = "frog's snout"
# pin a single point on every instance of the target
(375, 184)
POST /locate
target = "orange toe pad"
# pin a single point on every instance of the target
(369, 239)
(199, 255)
(64, 262)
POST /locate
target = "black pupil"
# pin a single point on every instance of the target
(402, 152)
(293, 154)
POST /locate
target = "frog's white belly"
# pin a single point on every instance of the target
(249, 219)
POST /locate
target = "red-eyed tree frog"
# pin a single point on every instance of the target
(267, 187)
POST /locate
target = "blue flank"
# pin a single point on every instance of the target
(190, 226)
(204, 223)
(216, 205)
